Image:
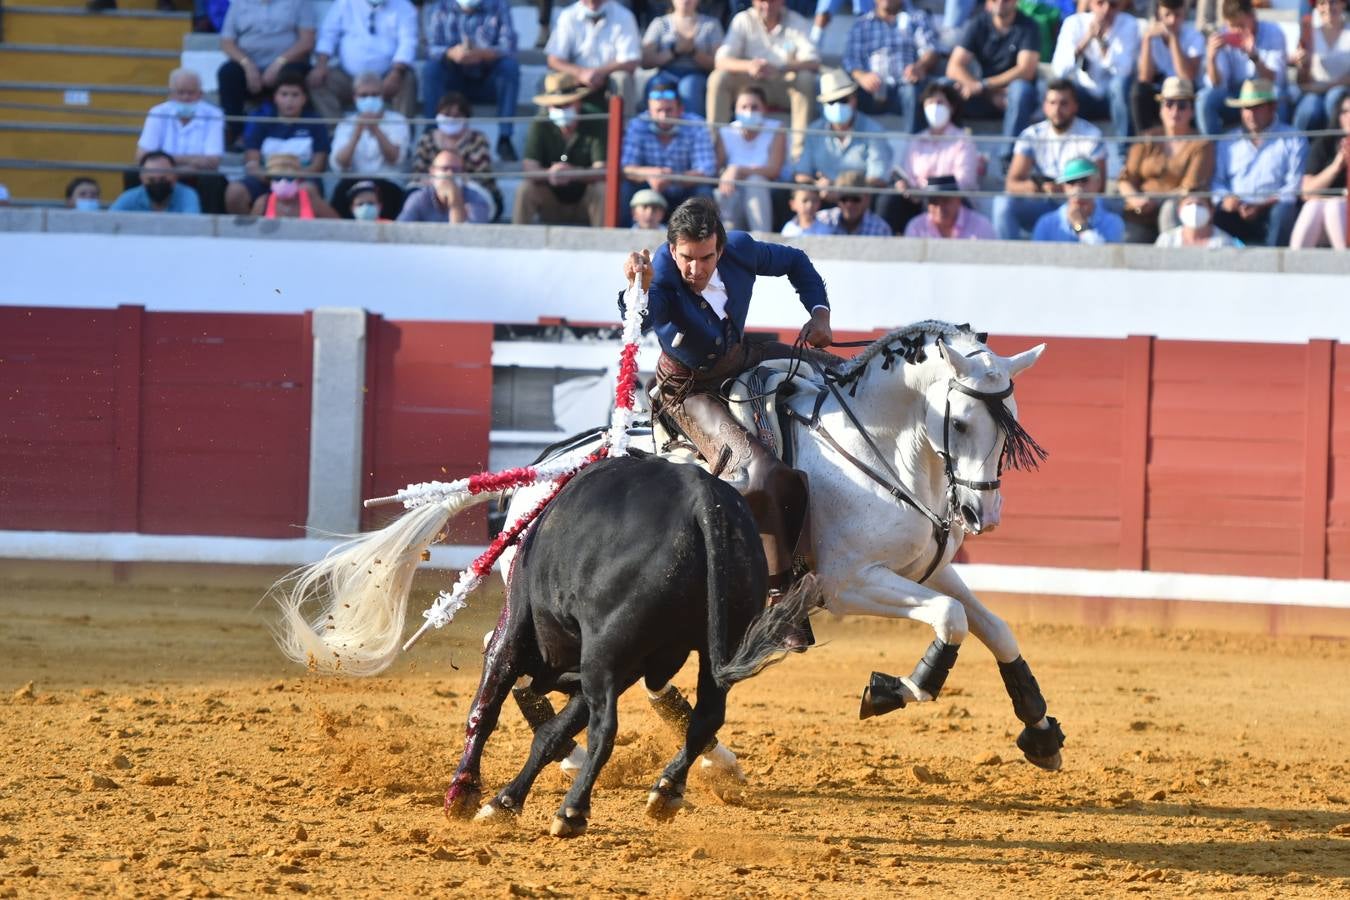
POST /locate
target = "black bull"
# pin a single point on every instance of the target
(636, 563)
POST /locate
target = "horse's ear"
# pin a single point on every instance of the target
(1024, 360)
(959, 364)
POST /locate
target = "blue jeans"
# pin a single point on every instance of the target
(1315, 111)
(956, 13)
(1022, 103)
(692, 88)
(1116, 105)
(498, 80)
(1270, 230)
(901, 100)
(833, 6)
(1015, 213)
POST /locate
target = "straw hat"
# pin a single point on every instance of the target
(1255, 92)
(561, 89)
(1175, 88)
(835, 85)
(282, 165)
(1077, 170)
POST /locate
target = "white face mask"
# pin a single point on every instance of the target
(562, 116)
(369, 105)
(938, 114)
(1193, 215)
(450, 124)
(87, 204)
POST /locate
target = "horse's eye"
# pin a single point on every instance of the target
(959, 427)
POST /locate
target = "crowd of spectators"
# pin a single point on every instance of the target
(1217, 114)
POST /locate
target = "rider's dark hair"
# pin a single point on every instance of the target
(696, 219)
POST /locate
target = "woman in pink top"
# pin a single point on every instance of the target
(943, 148)
(947, 217)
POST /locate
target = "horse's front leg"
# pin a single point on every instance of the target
(1042, 738)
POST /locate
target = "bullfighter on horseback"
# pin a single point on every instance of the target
(700, 287)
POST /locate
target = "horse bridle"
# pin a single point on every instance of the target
(941, 525)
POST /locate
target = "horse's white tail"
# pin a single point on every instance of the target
(358, 594)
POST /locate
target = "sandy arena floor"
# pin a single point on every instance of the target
(156, 744)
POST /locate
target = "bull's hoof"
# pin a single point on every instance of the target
(462, 799)
(665, 800)
(1041, 746)
(568, 823)
(498, 811)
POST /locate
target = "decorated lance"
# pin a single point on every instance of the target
(559, 472)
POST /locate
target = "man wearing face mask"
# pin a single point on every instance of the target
(665, 145)
(159, 190)
(1196, 214)
(450, 198)
(891, 53)
(572, 193)
(366, 36)
(846, 143)
(193, 132)
(83, 194)
(1082, 219)
(372, 139)
(471, 49)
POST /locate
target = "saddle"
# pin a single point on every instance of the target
(759, 400)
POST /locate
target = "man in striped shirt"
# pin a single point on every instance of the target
(665, 145)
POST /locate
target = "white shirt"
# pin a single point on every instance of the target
(202, 135)
(367, 156)
(1192, 47)
(1099, 64)
(1082, 138)
(790, 40)
(590, 44)
(346, 31)
(716, 294)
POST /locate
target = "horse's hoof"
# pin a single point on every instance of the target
(1041, 746)
(497, 811)
(884, 693)
(1051, 763)
(568, 826)
(462, 800)
(664, 800)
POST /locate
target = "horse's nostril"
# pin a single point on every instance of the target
(971, 518)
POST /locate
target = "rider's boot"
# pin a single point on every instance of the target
(885, 693)
(787, 547)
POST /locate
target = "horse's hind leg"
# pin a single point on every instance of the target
(549, 740)
(667, 796)
(1041, 738)
(600, 688)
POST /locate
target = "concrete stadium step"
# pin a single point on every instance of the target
(77, 104)
(77, 27)
(48, 63)
(48, 185)
(77, 143)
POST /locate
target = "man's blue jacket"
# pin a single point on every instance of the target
(689, 329)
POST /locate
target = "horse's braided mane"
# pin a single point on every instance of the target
(887, 345)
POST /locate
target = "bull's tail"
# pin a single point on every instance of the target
(345, 613)
(764, 643)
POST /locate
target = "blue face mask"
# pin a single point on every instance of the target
(185, 110)
(366, 212)
(753, 119)
(368, 105)
(87, 204)
(838, 113)
(470, 5)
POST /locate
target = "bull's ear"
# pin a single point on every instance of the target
(1024, 360)
(960, 365)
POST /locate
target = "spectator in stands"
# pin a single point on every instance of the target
(1039, 159)
(450, 197)
(193, 132)
(648, 210)
(891, 53)
(261, 38)
(853, 215)
(1082, 219)
(805, 205)
(1247, 49)
(1176, 166)
(1323, 216)
(363, 201)
(1170, 47)
(1196, 215)
(366, 36)
(768, 46)
(1097, 50)
(372, 139)
(471, 49)
(289, 196)
(1324, 69)
(947, 217)
(943, 148)
(159, 190)
(83, 193)
(1005, 45)
(299, 133)
(1256, 174)
(664, 145)
(452, 132)
(842, 141)
(749, 150)
(682, 45)
(597, 43)
(573, 192)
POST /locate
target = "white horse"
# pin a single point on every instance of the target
(904, 455)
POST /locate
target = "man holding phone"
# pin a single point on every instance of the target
(1243, 50)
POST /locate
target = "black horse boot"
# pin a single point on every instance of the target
(885, 693)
